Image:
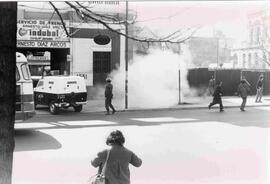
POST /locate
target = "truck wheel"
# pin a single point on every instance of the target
(78, 108)
(53, 108)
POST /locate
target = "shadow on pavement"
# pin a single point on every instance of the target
(29, 140)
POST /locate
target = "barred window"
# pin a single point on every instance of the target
(102, 62)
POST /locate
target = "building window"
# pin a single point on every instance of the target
(256, 58)
(244, 60)
(249, 60)
(251, 35)
(258, 35)
(235, 60)
(102, 62)
(264, 61)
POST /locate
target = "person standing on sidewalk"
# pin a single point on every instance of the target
(243, 90)
(217, 97)
(108, 97)
(119, 158)
(259, 88)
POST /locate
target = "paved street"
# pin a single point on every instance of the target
(177, 146)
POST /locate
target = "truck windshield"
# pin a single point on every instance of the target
(25, 72)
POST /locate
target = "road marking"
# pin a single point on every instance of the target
(163, 119)
(263, 108)
(62, 124)
(32, 125)
(85, 122)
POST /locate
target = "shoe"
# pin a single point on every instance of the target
(113, 111)
(242, 109)
(221, 110)
(107, 113)
(209, 107)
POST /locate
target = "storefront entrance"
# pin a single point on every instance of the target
(58, 58)
(41, 58)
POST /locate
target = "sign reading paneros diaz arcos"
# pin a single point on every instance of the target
(42, 33)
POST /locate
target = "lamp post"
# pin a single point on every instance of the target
(126, 59)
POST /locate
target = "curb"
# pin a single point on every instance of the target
(162, 109)
(177, 108)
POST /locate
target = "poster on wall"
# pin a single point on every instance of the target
(42, 33)
(87, 76)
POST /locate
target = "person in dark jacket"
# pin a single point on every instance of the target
(117, 169)
(243, 91)
(217, 97)
(259, 88)
(108, 97)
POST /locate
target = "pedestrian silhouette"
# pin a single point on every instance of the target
(243, 91)
(118, 160)
(108, 97)
(217, 97)
(259, 88)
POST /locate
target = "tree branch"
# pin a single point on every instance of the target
(62, 21)
(151, 40)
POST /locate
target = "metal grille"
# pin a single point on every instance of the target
(101, 62)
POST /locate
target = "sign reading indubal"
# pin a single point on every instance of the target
(41, 33)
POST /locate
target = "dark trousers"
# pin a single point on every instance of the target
(244, 101)
(217, 101)
(108, 103)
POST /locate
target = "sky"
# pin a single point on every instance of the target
(227, 16)
(166, 17)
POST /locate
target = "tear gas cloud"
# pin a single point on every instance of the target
(153, 79)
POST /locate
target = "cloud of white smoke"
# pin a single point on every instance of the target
(153, 79)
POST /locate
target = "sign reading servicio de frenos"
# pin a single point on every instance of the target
(41, 33)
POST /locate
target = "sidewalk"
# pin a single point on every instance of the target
(187, 103)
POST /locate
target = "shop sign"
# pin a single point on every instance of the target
(102, 39)
(42, 44)
(41, 30)
(38, 58)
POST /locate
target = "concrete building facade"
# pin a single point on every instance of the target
(92, 51)
(256, 53)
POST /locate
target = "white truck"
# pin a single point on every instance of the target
(61, 92)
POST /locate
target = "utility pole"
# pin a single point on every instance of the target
(179, 87)
(126, 59)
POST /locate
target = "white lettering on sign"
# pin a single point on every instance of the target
(43, 44)
(42, 30)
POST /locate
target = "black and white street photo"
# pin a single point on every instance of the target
(134, 92)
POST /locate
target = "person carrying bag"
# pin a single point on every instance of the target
(100, 177)
(117, 169)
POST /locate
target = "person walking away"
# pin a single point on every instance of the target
(243, 90)
(117, 169)
(217, 97)
(108, 97)
(211, 85)
(259, 88)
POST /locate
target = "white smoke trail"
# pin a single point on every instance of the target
(153, 80)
